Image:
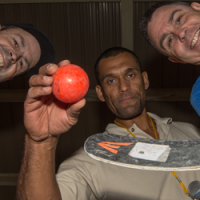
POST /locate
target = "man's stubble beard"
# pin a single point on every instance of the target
(131, 111)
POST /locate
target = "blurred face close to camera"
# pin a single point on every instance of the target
(175, 31)
(122, 85)
(19, 52)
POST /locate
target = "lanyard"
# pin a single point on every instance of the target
(156, 136)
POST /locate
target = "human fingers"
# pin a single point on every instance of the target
(40, 80)
(44, 78)
(48, 69)
(34, 93)
(74, 110)
(64, 62)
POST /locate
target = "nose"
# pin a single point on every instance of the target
(14, 56)
(124, 85)
(181, 33)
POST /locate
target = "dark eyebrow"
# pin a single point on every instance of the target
(22, 41)
(130, 69)
(169, 22)
(172, 16)
(162, 39)
(125, 72)
(26, 60)
(106, 76)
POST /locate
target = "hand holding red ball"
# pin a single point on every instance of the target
(70, 83)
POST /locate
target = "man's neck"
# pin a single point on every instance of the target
(142, 121)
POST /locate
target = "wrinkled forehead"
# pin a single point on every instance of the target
(13, 30)
(159, 23)
(167, 11)
(117, 61)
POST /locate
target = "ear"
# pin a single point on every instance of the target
(176, 60)
(99, 93)
(195, 6)
(146, 80)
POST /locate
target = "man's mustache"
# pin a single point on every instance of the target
(128, 95)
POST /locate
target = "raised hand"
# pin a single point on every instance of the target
(44, 115)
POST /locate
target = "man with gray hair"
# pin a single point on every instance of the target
(173, 29)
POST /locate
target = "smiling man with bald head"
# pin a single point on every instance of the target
(23, 48)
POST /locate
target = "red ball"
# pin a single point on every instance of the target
(70, 83)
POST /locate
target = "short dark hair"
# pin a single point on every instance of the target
(114, 51)
(149, 13)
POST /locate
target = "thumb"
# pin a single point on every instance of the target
(64, 62)
(74, 110)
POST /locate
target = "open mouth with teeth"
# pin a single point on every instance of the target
(194, 41)
(1, 60)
